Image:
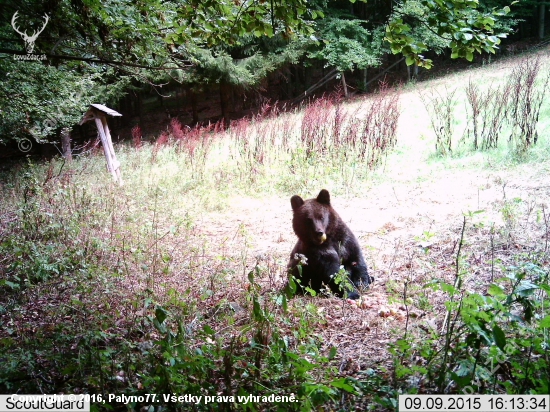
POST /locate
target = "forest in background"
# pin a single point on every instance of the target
(210, 61)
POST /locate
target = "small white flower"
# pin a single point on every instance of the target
(302, 260)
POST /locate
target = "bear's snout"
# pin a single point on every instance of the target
(321, 236)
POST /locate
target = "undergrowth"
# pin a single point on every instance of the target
(88, 307)
(494, 337)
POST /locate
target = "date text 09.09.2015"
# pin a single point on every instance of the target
(463, 403)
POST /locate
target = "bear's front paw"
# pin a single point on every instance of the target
(366, 281)
(353, 295)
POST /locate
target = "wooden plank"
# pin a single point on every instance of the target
(106, 110)
(97, 113)
(115, 162)
(106, 149)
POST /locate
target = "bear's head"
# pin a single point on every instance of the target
(312, 218)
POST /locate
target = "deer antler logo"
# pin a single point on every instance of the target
(29, 40)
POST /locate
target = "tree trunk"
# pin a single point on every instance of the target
(66, 144)
(412, 72)
(139, 106)
(129, 110)
(542, 15)
(344, 85)
(296, 83)
(194, 109)
(225, 93)
(302, 70)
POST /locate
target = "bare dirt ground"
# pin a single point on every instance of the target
(409, 225)
(390, 222)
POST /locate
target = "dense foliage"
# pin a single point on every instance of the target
(115, 44)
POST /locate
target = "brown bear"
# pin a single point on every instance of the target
(327, 244)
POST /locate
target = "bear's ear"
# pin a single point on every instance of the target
(296, 201)
(324, 197)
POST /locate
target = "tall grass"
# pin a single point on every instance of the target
(488, 114)
(441, 106)
(504, 111)
(529, 84)
(325, 142)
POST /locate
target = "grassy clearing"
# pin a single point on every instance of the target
(174, 283)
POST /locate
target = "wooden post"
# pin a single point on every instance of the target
(346, 94)
(106, 148)
(116, 163)
(66, 144)
(97, 113)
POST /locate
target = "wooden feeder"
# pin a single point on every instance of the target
(97, 112)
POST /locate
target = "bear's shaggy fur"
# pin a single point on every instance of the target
(327, 244)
